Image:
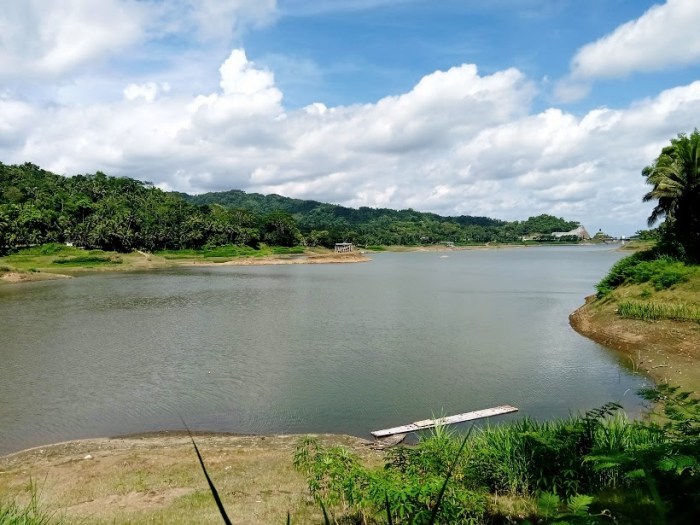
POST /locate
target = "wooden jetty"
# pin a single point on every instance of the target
(448, 420)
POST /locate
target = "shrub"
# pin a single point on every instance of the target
(410, 488)
(87, 260)
(661, 271)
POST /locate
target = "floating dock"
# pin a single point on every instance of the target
(448, 420)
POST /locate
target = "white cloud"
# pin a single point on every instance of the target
(147, 91)
(664, 37)
(53, 37)
(222, 18)
(50, 39)
(457, 143)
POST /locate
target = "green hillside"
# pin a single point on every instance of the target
(121, 214)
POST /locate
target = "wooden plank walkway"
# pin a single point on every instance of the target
(449, 420)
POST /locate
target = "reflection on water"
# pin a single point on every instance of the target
(323, 348)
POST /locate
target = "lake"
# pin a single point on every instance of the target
(345, 348)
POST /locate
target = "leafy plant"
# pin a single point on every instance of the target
(31, 513)
(650, 266)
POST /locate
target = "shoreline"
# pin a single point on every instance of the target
(665, 351)
(142, 261)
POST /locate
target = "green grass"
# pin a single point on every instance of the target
(31, 513)
(87, 260)
(597, 467)
(54, 255)
(661, 271)
(230, 251)
(654, 311)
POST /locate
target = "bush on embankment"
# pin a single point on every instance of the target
(661, 271)
(596, 468)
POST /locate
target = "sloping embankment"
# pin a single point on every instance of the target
(666, 351)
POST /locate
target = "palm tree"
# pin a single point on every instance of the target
(675, 181)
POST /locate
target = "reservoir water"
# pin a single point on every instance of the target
(304, 348)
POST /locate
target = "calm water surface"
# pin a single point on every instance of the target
(318, 348)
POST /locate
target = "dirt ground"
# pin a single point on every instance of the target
(666, 351)
(156, 479)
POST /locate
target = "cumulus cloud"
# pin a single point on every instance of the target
(53, 38)
(664, 37)
(459, 142)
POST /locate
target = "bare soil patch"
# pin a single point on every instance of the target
(667, 351)
(156, 478)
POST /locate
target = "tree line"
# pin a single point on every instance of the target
(124, 214)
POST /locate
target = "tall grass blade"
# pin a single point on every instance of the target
(212, 488)
(389, 520)
(326, 520)
(436, 508)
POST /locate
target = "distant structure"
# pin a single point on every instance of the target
(343, 247)
(579, 232)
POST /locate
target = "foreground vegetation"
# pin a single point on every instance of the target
(599, 467)
(651, 285)
(119, 214)
(596, 468)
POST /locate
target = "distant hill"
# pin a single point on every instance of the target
(311, 214)
(123, 214)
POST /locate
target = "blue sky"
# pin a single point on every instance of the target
(363, 54)
(507, 108)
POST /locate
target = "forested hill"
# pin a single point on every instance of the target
(313, 215)
(123, 214)
(312, 212)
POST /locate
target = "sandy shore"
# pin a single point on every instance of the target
(666, 351)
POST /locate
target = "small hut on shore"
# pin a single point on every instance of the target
(343, 247)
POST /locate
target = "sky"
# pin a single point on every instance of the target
(500, 108)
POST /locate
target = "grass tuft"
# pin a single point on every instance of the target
(654, 311)
(87, 260)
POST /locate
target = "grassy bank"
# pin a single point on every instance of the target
(594, 468)
(648, 306)
(156, 479)
(52, 260)
(598, 467)
(226, 253)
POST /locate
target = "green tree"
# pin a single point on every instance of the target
(280, 229)
(675, 180)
